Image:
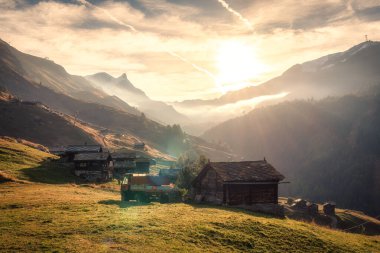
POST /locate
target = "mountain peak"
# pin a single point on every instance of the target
(123, 76)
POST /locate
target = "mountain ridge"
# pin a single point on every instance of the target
(123, 88)
(270, 87)
(328, 149)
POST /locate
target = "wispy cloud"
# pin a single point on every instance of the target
(112, 17)
(237, 14)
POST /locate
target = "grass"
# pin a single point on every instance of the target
(68, 217)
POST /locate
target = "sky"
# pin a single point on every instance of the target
(197, 49)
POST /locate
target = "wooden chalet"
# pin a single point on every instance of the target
(142, 165)
(93, 166)
(123, 163)
(73, 150)
(58, 150)
(237, 183)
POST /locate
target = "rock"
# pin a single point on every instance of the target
(299, 204)
(290, 201)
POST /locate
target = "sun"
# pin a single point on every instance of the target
(237, 64)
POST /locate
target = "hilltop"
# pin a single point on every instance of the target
(44, 208)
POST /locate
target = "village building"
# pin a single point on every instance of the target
(58, 150)
(73, 150)
(237, 183)
(93, 166)
(123, 163)
(142, 165)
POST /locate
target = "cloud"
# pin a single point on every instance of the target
(86, 40)
(236, 13)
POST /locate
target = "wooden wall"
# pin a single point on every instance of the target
(248, 194)
(213, 189)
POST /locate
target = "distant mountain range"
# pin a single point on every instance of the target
(336, 74)
(124, 89)
(16, 66)
(48, 86)
(99, 88)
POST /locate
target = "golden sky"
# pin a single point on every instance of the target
(177, 49)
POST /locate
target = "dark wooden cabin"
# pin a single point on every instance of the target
(123, 163)
(73, 150)
(93, 166)
(142, 165)
(238, 183)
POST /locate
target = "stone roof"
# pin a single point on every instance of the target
(91, 157)
(121, 156)
(246, 171)
(84, 148)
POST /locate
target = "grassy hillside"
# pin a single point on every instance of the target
(67, 218)
(21, 162)
(59, 216)
(38, 123)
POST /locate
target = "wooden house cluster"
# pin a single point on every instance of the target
(93, 166)
(95, 163)
(238, 183)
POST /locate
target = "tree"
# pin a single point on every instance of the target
(191, 164)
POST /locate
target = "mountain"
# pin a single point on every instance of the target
(327, 149)
(348, 72)
(124, 89)
(37, 123)
(45, 73)
(336, 74)
(105, 80)
(107, 113)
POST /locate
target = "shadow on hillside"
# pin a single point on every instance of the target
(122, 204)
(235, 209)
(51, 172)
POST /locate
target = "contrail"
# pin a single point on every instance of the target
(86, 3)
(200, 69)
(243, 19)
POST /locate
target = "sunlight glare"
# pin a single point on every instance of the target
(237, 64)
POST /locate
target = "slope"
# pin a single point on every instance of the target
(57, 216)
(37, 123)
(337, 74)
(46, 73)
(329, 149)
